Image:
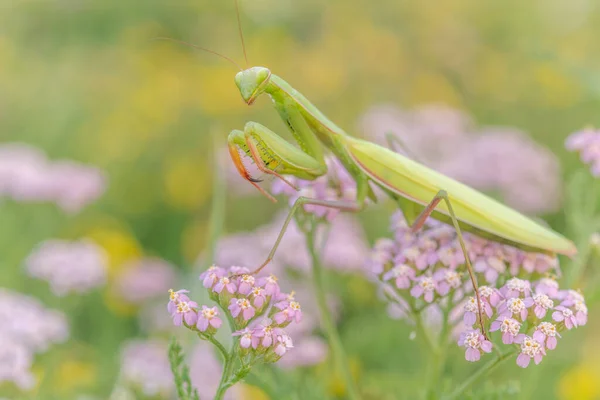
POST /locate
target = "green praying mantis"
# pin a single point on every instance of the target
(419, 191)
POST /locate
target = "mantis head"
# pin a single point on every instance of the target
(252, 82)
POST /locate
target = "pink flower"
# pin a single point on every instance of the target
(490, 295)
(403, 275)
(290, 311)
(547, 286)
(208, 316)
(258, 294)
(581, 313)
(185, 312)
(587, 143)
(246, 284)
(69, 266)
(175, 298)
(516, 287)
(542, 304)
(475, 343)
(425, 287)
(247, 338)
(284, 344)
(144, 279)
(270, 285)
(546, 333)
(470, 308)
(268, 333)
(530, 349)
(243, 306)
(224, 283)
(237, 270)
(211, 276)
(491, 267)
(566, 315)
(515, 305)
(447, 279)
(508, 326)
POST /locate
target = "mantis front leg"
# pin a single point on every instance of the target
(272, 155)
(420, 221)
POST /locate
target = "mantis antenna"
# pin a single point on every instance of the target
(237, 11)
(200, 48)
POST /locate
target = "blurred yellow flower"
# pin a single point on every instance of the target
(116, 305)
(216, 93)
(431, 87)
(555, 88)
(119, 244)
(193, 240)
(249, 392)
(72, 374)
(581, 382)
(187, 182)
(336, 384)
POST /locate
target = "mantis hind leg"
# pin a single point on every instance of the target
(420, 221)
(394, 141)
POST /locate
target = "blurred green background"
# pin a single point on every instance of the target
(85, 80)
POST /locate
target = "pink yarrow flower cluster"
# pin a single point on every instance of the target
(69, 266)
(26, 175)
(426, 269)
(587, 143)
(27, 328)
(257, 307)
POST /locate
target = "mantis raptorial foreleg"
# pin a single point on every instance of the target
(420, 221)
(300, 202)
(270, 152)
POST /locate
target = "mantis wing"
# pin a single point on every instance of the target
(477, 212)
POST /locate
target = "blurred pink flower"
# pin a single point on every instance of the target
(344, 247)
(336, 185)
(26, 175)
(145, 366)
(495, 159)
(310, 350)
(587, 143)
(69, 267)
(145, 279)
(16, 364)
(27, 328)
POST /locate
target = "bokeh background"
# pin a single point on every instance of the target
(144, 123)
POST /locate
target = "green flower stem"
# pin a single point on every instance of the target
(330, 328)
(487, 368)
(214, 341)
(226, 379)
(438, 360)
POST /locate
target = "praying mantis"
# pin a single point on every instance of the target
(419, 191)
